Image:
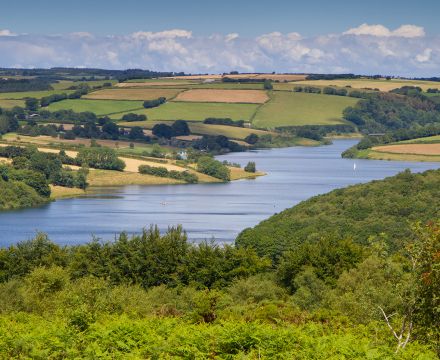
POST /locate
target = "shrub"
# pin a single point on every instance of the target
(214, 168)
(250, 167)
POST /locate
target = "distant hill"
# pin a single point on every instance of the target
(387, 206)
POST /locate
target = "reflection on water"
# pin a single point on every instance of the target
(205, 210)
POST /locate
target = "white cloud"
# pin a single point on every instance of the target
(367, 49)
(6, 32)
(167, 34)
(405, 31)
(231, 37)
(424, 56)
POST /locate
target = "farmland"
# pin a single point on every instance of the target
(10, 103)
(415, 149)
(196, 111)
(295, 109)
(132, 94)
(382, 85)
(226, 96)
(99, 107)
(199, 128)
(32, 94)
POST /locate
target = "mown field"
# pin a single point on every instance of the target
(222, 95)
(99, 107)
(294, 109)
(132, 94)
(32, 94)
(10, 103)
(195, 111)
(383, 85)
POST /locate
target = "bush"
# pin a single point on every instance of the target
(251, 139)
(100, 158)
(164, 172)
(154, 103)
(214, 168)
(250, 167)
(133, 117)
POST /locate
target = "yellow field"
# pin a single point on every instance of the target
(117, 178)
(132, 94)
(415, 149)
(383, 85)
(277, 77)
(224, 96)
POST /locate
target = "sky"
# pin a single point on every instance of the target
(393, 37)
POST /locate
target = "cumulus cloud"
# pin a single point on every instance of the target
(367, 49)
(405, 31)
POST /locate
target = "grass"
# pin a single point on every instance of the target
(61, 192)
(99, 107)
(229, 131)
(132, 94)
(238, 174)
(196, 111)
(223, 96)
(424, 140)
(379, 155)
(199, 128)
(32, 94)
(295, 109)
(9, 104)
(118, 178)
(381, 84)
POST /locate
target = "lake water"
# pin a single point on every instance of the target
(205, 210)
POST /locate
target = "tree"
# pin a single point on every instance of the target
(180, 127)
(162, 130)
(267, 85)
(100, 158)
(212, 167)
(251, 139)
(31, 104)
(136, 133)
(250, 167)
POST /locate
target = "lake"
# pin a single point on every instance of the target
(206, 211)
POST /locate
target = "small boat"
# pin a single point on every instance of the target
(354, 167)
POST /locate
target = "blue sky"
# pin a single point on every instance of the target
(204, 17)
(396, 37)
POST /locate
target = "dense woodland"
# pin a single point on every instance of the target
(327, 295)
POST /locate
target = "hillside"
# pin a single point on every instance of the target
(386, 206)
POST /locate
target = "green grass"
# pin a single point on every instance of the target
(424, 140)
(294, 109)
(33, 94)
(197, 111)
(9, 104)
(229, 131)
(99, 107)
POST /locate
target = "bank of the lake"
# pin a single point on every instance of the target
(219, 210)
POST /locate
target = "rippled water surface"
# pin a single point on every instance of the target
(204, 210)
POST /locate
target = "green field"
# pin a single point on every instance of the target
(99, 107)
(296, 109)
(32, 94)
(424, 140)
(196, 111)
(9, 104)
